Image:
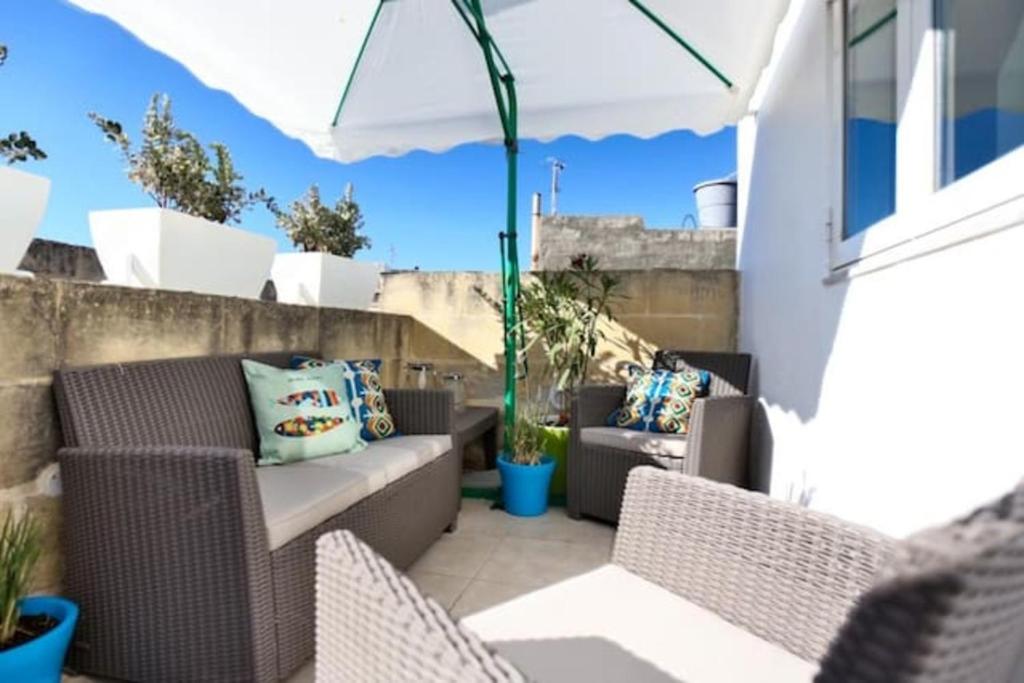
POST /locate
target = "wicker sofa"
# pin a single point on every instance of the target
(745, 588)
(600, 456)
(192, 564)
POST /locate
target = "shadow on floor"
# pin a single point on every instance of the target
(578, 659)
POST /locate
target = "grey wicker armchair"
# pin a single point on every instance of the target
(778, 593)
(600, 457)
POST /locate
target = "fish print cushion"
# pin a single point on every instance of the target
(365, 394)
(301, 414)
(660, 400)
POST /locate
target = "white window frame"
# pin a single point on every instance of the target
(927, 217)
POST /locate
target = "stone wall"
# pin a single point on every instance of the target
(624, 243)
(48, 322)
(438, 317)
(460, 331)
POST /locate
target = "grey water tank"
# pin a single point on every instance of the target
(716, 203)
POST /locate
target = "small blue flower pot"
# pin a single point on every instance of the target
(41, 660)
(524, 488)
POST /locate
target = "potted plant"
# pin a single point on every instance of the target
(561, 314)
(183, 242)
(34, 631)
(22, 195)
(324, 273)
(525, 468)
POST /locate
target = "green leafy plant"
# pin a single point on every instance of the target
(174, 169)
(561, 313)
(19, 552)
(314, 226)
(18, 147)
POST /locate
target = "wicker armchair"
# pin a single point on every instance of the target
(835, 602)
(716, 446)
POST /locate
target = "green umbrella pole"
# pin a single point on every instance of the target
(511, 291)
(504, 87)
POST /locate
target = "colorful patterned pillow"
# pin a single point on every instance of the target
(365, 394)
(300, 414)
(660, 400)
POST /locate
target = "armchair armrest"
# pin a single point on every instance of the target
(157, 540)
(422, 411)
(783, 572)
(719, 438)
(374, 624)
(591, 406)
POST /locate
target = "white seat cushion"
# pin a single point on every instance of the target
(611, 625)
(650, 443)
(388, 460)
(298, 496)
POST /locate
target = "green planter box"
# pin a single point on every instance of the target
(556, 444)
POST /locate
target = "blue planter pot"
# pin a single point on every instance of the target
(41, 660)
(524, 488)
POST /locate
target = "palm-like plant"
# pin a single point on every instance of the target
(561, 312)
(19, 552)
(527, 440)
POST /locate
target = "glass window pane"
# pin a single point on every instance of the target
(982, 83)
(870, 113)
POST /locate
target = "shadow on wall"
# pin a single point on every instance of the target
(429, 346)
(790, 315)
(456, 327)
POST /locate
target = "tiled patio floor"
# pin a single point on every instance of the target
(494, 557)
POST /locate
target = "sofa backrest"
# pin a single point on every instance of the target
(730, 372)
(176, 402)
(949, 606)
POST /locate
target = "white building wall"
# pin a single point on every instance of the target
(894, 398)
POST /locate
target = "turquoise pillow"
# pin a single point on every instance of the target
(300, 414)
(660, 400)
(365, 394)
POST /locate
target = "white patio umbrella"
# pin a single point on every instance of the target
(358, 78)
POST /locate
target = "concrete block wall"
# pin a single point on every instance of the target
(625, 243)
(45, 323)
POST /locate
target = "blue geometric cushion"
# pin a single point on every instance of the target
(365, 394)
(660, 400)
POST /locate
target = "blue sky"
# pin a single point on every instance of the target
(435, 211)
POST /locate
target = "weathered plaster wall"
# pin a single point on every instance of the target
(624, 243)
(459, 330)
(48, 322)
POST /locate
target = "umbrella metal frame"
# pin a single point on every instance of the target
(503, 86)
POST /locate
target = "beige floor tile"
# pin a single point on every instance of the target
(443, 588)
(477, 517)
(480, 595)
(459, 554)
(539, 562)
(556, 525)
